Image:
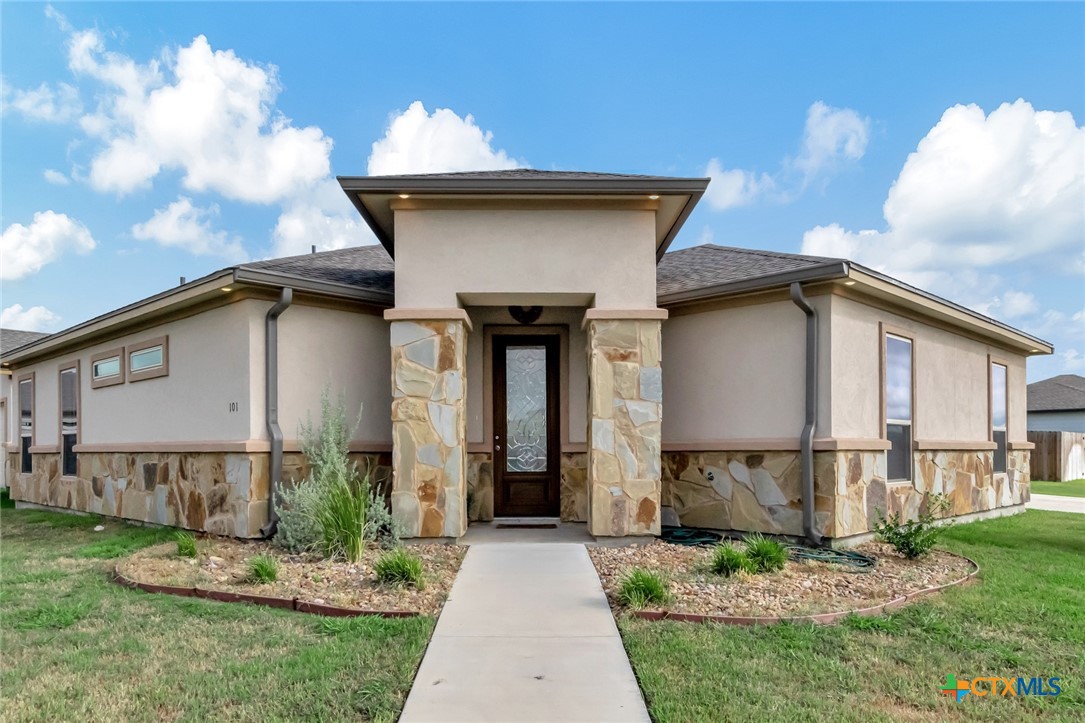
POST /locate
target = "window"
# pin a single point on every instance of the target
(898, 406)
(998, 414)
(107, 368)
(69, 418)
(26, 423)
(149, 359)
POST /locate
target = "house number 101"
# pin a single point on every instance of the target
(233, 406)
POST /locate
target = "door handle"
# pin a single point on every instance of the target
(497, 447)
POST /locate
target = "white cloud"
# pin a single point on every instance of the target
(322, 216)
(44, 103)
(734, 187)
(36, 318)
(418, 142)
(25, 249)
(206, 113)
(55, 177)
(831, 138)
(185, 226)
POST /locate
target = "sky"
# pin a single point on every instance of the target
(939, 143)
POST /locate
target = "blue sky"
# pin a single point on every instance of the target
(942, 144)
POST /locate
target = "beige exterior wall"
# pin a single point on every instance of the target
(606, 253)
(951, 378)
(344, 350)
(739, 373)
(575, 372)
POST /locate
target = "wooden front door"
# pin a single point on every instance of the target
(527, 442)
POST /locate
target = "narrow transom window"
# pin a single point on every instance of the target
(149, 359)
(69, 419)
(998, 415)
(898, 406)
(26, 424)
(146, 359)
(107, 368)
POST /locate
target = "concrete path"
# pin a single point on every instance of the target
(526, 635)
(1056, 503)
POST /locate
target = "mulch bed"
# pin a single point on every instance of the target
(305, 582)
(801, 589)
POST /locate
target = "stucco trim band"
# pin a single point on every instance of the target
(242, 445)
(778, 444)
(610, 314)
(400, 314)
(45, 449)
(1021, 445)
(950, 444)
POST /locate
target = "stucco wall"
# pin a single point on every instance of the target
(574, 425)
(951, 378)
(441, 253)
(344, 350)
(739, 373)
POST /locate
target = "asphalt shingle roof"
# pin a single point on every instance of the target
(11, 339)
(367, 267)
(710, 265)
(513, 173)
(1065, 392)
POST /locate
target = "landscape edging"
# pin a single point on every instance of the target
(817, 619)
(301, 606)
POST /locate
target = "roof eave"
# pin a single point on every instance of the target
(822, 272)
(279, 279)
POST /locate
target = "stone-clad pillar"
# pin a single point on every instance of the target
(429, 424)
(625, 395)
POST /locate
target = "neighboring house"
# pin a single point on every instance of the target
(534, 350)
(1056, 425)
(1057, 404)
(10, 340)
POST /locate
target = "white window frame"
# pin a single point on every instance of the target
(159, 370)
(69, 368)
(888, 334)
(97, 382)
(26, 437)
(996, 456)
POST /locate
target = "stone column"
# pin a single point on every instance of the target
(625, 395)
(429, 424)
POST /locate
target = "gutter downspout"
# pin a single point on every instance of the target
(806, 441)
(271, 404)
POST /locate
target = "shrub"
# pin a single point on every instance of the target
(640, 587)
(186, 544)
(298, 530)
(766, 555)
(399, 567)
(727, 560)
(263, 569)
(385, 529)
(913, 538)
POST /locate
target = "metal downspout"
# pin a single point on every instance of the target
(271, 404)
(806, 441)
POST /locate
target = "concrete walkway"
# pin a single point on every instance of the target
(526, 635)
(1056, 503)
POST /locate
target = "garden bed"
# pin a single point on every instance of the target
(222, 568)
(800, 589)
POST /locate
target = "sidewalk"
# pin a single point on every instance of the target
(1056, 503)
(526, 635)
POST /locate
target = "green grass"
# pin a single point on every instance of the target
(640, 587)
(399, 567)
(767, 555)
(1026, 617)
(74, 646)
(727, 560)
(263, 569)
(1072, 488)
(186, 545)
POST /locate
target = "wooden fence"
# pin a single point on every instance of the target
(1058, 456)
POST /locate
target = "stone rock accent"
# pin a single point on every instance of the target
(222, 493)
(625, 395)
(573, 491)
(429, 457)
(746, 491)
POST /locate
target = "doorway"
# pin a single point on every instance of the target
(527, 436)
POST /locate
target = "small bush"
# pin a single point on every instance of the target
(263, 569)
(913, 538)
(186, 544)
(766, 555)
(399, 567)
(640, 587)
(727, 560)
(298, 530)
(382, 527)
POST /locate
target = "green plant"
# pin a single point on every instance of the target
(767, 555)
(872, 623)
(399, 567)
(640, 587)
(186, 544)
(913, 538)
(727, 560)
(263, 569)
(382, 526)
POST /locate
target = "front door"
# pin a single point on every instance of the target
(526, 432)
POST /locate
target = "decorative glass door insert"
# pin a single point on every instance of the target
(525, 392)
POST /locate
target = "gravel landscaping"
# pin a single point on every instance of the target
(223, 564)
(804, 588)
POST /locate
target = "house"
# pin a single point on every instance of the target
(522, 343)
(10, 339)
(1057, 404)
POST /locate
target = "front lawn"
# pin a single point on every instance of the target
(1026, 617)
(1072, 488)
(76, 647)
